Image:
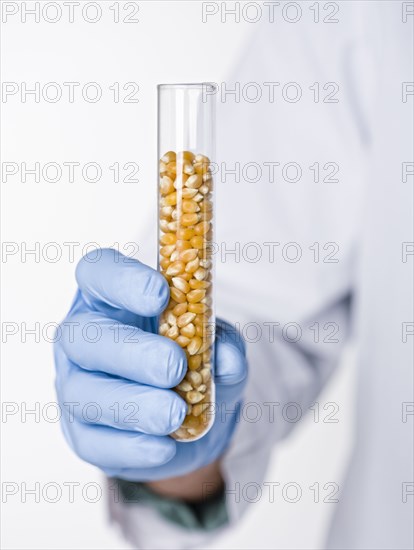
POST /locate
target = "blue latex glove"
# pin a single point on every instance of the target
(110, 355)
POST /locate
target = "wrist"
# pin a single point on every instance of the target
(199, 485)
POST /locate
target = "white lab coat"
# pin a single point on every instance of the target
(368, 214)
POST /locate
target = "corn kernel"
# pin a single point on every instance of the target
(179, 309)
(189, 330)
(185, 319)
(188, 255)
(202, 228)
(194, 182)
(189, 219)
(166, 185)
(184, 233)
(190, 206)
(194, 362)
(181, 284)
(195, 296)
(168, 157)
(183, 341)
(197, 308)
(173, 332)
(177, 295)
(194, 345)
(168, 238)
(175, 268)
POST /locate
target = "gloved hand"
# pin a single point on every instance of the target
(111, 362)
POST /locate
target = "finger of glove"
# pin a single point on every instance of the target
(96, 343)
(116, 402)
(189, 456)
(106, 275)
(230, 359)
(107, 447)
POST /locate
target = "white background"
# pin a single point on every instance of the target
(169, 44)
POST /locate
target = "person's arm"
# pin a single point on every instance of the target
(317, 217)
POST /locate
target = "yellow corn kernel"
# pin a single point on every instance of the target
(207, 300)
(201, 168)
(166, 185)
(164, 263)
(166, 212)
(197, 241)
(188, 168)
(172, 169)
(181, 284)
(175, 269)
(185, 234)
(163, 168)
(179, 309)
(189, 330)
(182, 245)
(173, 226)
(175, 256)
(189, 219)
(204, 189)
(202, 228)
(168, 157)
(170, 200)
(189, 193)
(184, 386)
(190, 206)
(205, 346)
(195, 284)
(177, 295)
(194, 182)
(194, 397)
(201, 318)
(188, 255)
(191, 422)
(185, 319)
(166, 251)
(195, 296)
(183, 341)
(202, 158)
(197, 308)
(194, 345)
(186, 276)
(194, 378)
(164, 328)
(192, 265)
(206, 264)
(171, 318)
(173, 332)
(194, 362)
(198, 198)
(164, 225)
(199, 408)
(200, 274)
(168, 238)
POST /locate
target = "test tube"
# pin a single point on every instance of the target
(186, 142)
